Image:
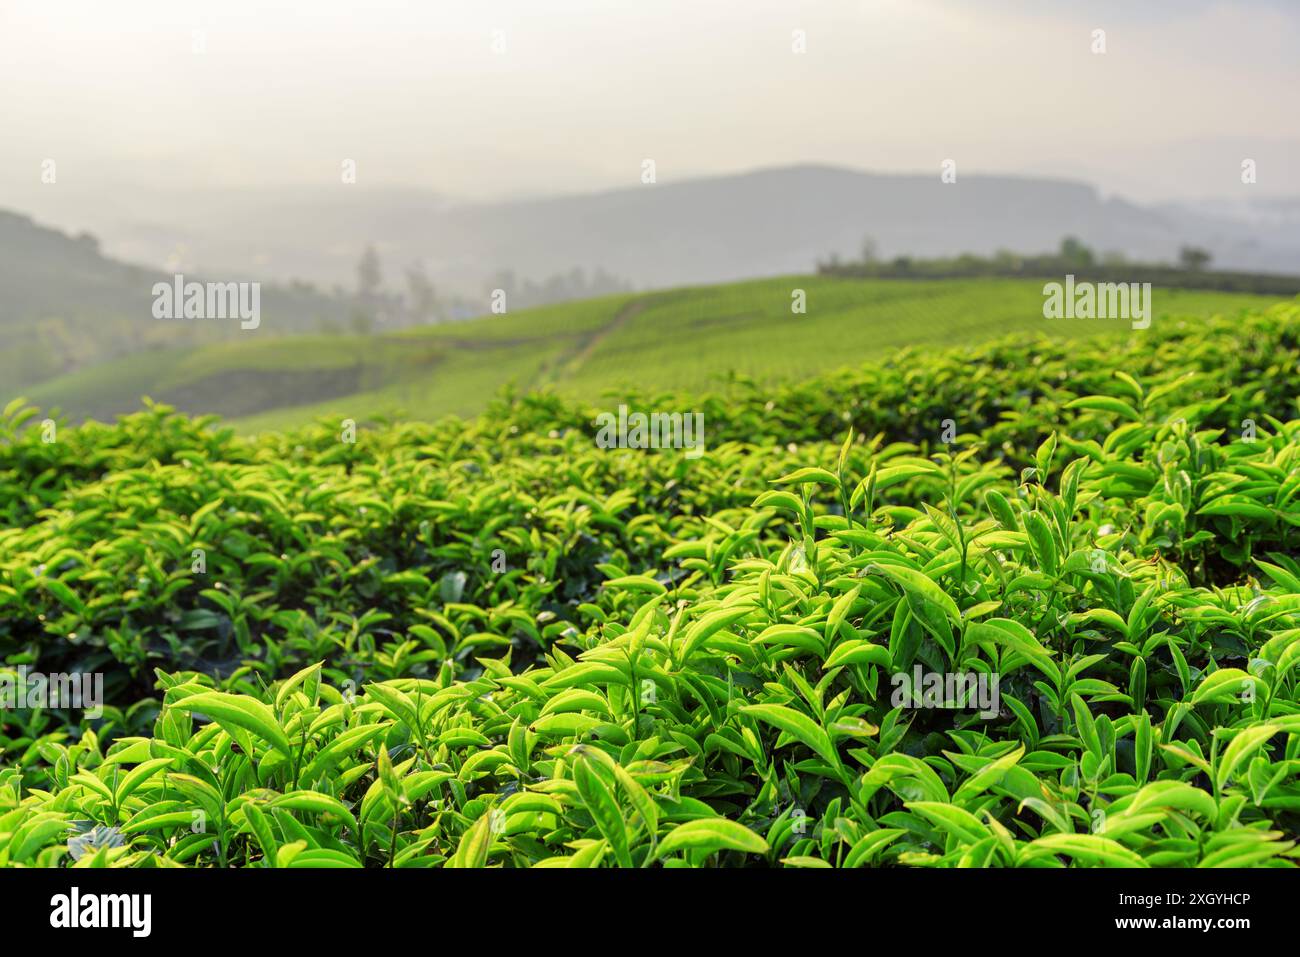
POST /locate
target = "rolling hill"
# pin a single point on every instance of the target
(677, 339)
(66, 307)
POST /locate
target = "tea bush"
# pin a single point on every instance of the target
(493, 643)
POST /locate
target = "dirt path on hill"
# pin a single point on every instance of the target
(581, 351)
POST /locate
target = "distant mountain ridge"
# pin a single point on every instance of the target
(703, 230)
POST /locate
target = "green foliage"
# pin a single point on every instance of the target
(494, 644)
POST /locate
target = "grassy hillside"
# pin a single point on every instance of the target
(497, 643)
(65, 309)
(678, 339)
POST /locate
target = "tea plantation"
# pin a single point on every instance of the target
(681, 339)
(495, 643)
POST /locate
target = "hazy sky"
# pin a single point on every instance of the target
(586, 89)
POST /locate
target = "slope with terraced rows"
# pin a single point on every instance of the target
(680, 339)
